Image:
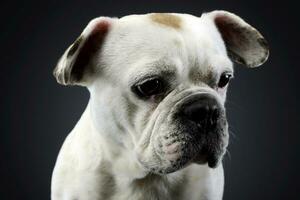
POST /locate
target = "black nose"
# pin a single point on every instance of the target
(204, 111)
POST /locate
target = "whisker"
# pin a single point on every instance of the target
(228, 154)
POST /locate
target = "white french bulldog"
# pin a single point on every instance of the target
(155, 125)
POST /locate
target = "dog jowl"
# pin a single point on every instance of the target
(156, 119)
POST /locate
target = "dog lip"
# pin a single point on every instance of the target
(209, 156)
(212, 161)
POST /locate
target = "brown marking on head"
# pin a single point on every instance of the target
(166, 19)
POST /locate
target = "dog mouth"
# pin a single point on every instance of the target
(187, 143)
(178, 151)
(211, 158)
(179, 154)
(212, 148)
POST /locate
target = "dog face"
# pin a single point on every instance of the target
(158, 82)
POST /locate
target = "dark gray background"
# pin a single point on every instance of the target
(37, 113)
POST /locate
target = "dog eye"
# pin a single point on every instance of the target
(224, 79)
(149, 87)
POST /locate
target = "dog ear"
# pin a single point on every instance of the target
(244, 44)
(75, 64)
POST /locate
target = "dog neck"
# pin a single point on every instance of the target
(152, 187)
(120, 165)
(111, 152)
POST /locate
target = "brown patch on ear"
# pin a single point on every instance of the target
(169, 20)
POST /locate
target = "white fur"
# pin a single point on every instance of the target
(83, 163)
(98, 160)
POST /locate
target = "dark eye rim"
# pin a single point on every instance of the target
(136, 88)
(228, 78)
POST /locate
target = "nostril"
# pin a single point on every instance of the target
(197, 113)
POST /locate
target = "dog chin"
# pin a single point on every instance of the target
(173, 163)
(212, 161)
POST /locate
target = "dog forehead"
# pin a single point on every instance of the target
(158, 36)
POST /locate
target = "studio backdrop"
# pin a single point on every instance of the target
(263, 161)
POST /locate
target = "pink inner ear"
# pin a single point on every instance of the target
(102, 25)
(92, 44)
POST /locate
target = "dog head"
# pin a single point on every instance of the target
(158, 82)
